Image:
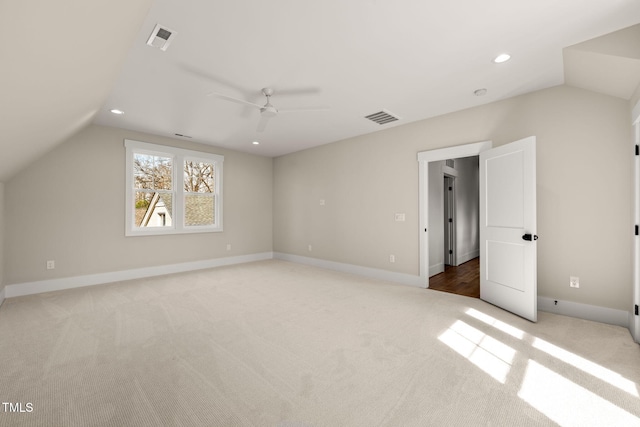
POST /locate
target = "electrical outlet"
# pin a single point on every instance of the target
(51, 265)
(322, 202)
(228, 246)
(392, 258)
(400, 217)
(574, 282)
(310, 248)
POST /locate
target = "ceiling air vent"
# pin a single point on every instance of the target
(382, 117)
(161, 37)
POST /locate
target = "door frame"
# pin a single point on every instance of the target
(634, 320)
(424, 157)
(450, 233)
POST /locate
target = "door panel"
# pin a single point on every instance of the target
(505, 264)
(504, 190)
(508, 265)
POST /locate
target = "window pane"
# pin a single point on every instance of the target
(198, 177)
(152, 172)
(163, 174)
(153, 209)
(142, 171)
(198, 209)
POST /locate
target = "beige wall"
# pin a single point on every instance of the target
(2, 221)
(69, 207)
(635, 98)
(436, 218)
(583, 181)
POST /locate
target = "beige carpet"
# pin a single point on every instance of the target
(280, 344)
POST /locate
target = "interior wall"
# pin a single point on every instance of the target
(2, 222)
(69, 206)
(436, 218)
(467, 208)
(635, 98)
(582, 148)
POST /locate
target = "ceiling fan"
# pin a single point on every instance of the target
(267, 111)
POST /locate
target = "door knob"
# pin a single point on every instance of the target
(529, 237)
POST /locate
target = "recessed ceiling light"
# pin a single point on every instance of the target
(116, 111)
(255, 143)
(480, 92)
(503, 57)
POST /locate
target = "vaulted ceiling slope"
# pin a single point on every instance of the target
(609, 64)
(59, 60)
(67, 63)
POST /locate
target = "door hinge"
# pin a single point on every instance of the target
(450, 219)
(636, 309)
(637, 230)
(450, 252)
(637, 150)
(451, 188)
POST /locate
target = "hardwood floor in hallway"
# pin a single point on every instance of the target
(462, 280)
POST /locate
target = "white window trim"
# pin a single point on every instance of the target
(178, 155)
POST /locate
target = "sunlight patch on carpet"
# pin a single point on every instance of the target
(487, 353)
(587, 366)
(498, 324)
(557, 397)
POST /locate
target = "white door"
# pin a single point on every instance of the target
(508, 245)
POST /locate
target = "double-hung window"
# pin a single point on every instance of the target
(171, 190)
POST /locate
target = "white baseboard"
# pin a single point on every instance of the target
(585, 311)
(439, 268)
(468, 256)
(373, 273)
(436, 269)
(29, 288)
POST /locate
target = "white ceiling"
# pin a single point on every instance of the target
(414, 58)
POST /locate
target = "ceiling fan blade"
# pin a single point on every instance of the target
(212, 78)
(303, 109)
(297, 91)
(262, 124)
(232, 99)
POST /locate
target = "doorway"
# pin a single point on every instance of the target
(463, 279)
(507, 218)
(467, 268)
(455, 205)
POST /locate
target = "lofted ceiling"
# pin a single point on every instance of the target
(67, 63)
(609, 64)
(59, 61)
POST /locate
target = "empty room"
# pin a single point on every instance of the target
(299, 214)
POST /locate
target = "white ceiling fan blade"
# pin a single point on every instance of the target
(303, 109)
(232, 99)
(262, 124)
(297, 91)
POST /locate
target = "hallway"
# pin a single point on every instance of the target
(461, 280)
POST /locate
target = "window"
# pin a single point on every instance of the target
(172, 190)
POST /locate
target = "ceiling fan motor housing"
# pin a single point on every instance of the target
(268, 110)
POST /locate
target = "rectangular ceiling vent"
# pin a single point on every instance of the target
(382, 117)
(161, 37)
